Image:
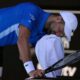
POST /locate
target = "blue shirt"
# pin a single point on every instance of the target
(27, 14)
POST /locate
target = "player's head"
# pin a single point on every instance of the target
(63, 24)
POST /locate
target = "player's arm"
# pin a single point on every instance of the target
(24, 51)
(23, 45)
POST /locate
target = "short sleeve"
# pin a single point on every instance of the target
(28, 21)
(30, 15)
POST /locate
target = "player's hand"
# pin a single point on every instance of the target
(36, 73)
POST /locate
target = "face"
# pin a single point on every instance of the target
(57, 25)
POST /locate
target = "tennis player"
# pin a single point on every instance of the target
(24, 24)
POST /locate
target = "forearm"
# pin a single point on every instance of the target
(24, 51)
(23, 45)
(25, 55)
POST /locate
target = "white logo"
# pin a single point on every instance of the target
(32, 17)
(29, 21)
(69, 71)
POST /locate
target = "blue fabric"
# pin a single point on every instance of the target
(9, 40)
(27, 14)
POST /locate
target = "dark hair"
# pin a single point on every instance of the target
(56, 14)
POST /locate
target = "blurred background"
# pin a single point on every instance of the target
(11, 68)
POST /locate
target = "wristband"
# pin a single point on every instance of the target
(29, 66)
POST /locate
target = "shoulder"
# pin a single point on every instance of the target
(27, 4)
(29, 7)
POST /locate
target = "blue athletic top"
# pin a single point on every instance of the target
(27, 14)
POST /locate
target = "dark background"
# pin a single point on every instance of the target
(49, 4)
(9, 55)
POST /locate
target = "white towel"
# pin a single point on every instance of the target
(49, 50)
